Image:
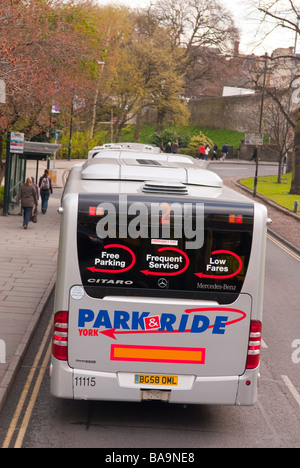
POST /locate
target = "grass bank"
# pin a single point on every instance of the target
(219, 137)
(278, 193)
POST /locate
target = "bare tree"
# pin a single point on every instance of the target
(276, 126)
(286, 14)
(196, 23)
(201, 29)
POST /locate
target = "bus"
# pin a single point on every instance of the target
(97, 150)
(160, 278)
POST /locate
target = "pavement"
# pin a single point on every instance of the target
(28, 269)
(28, 261)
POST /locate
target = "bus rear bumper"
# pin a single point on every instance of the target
(69, 383)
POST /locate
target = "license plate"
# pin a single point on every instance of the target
(146, 379)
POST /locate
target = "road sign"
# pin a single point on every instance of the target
(256, 139)
(17, 142)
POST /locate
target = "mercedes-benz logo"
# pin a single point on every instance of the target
(162, 283)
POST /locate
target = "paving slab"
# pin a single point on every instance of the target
(28, 260)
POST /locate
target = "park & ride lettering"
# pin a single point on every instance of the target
(120, 321)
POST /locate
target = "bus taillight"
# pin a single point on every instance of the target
(238, 219)
(60, 336)
(253, 356)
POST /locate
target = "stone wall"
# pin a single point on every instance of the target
(240, 113)
(267, 152)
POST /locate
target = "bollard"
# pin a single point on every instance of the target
(2, 352)
(296, 206)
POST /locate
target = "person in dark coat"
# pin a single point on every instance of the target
(174, 146)
(27, 195)
(214, 152)
(224, 152)
(254, 155)
(169, 148)
(45, 185)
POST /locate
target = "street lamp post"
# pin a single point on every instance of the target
(7, 176)
(260, 124)
(95, 100)
(71, 128)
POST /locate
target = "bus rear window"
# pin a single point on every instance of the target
(143, 261)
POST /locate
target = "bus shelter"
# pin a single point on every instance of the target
(16, 167)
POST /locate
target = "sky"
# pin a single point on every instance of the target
(247, 22)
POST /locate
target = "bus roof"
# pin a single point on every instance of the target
(124, 166)
(126, 146)
(143, 152)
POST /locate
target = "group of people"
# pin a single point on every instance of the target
(170, 147)
(204, 151)
(29, 195)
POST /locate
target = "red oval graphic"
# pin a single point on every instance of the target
(220, 309)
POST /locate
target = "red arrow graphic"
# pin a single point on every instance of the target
(112, 332)
(147, 272)
(122, 270)
(220, 309)
(228, 252)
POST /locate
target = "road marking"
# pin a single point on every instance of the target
(291, 388)
(285, 378)
(26, 388)
(36, 389)
(283, 247)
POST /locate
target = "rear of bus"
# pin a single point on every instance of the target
(142, 315)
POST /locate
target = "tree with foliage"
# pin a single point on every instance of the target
(162, 79)
(197, 140)
(48, 51)
(169, 135)
(141, 71)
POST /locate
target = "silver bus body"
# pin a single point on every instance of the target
(144, 310)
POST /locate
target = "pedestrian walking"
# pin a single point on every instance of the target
(201, 152)
(45, 185)
(214, 153)
(207, 151)
(174, 146)
(28, 198)
(254, 155)
(224, 152)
